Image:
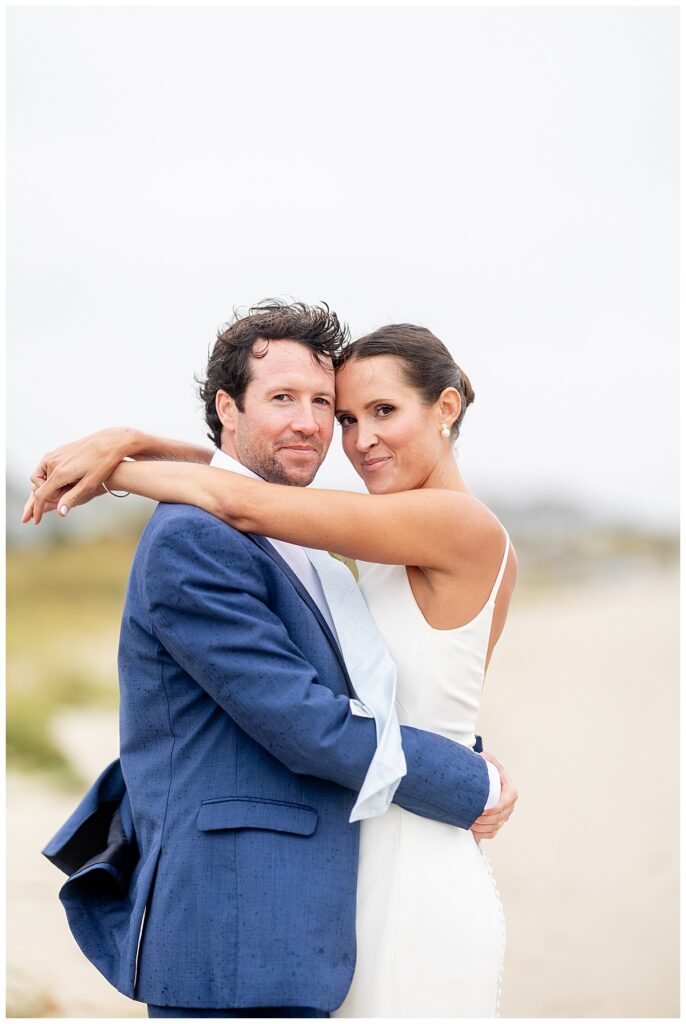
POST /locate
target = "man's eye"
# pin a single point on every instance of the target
(280, 398)
(385, 410)
(323, 401)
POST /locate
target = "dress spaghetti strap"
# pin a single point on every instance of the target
(501, 571)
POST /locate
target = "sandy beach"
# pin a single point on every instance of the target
(581, 704)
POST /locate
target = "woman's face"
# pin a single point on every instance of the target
(391, 438)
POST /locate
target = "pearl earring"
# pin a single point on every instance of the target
(445, 430)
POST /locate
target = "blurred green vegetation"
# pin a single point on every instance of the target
(65, 598)
(64, 605)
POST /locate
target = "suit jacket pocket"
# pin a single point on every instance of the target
(250, 812)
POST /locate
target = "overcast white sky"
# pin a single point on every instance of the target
(507, 177)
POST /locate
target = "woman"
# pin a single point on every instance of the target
(437, 574)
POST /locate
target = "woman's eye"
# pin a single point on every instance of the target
(346, 421)
(385, 410)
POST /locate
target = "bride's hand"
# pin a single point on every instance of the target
(49, 506)
(77, 469)
(491, 821)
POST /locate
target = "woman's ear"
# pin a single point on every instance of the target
(450, 406)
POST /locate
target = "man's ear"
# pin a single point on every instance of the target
(227, 410)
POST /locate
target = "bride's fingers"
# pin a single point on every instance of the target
(47, 505)
(50, 491)
(40, 473)
(40, 505)
(44, 499)
(79, 494)
(51, 461)
(40, 499)
(27, 513)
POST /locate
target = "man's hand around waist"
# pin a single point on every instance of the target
(490, 822)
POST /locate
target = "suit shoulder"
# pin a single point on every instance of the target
(179, 526)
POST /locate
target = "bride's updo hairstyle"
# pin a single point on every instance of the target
(428, 366)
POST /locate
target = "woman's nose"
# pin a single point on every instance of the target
(365, 439)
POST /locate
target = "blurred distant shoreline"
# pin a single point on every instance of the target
(556, 542)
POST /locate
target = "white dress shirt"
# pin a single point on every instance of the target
(292, 554)
(298, 561)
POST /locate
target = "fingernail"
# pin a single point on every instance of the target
(63, 510)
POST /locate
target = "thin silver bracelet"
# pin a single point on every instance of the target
(116, 494)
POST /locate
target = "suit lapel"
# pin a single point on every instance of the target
(303, 593)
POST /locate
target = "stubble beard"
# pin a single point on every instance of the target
(266, 465)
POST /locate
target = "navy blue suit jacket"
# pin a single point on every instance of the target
(214, 864)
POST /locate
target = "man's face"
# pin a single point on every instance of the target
(285, 428)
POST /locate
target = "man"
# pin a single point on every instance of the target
(214, 872)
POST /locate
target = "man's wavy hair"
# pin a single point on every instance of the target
(247, 337)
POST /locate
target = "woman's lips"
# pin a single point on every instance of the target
(374, 464)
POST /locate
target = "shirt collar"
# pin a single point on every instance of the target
(223, 461)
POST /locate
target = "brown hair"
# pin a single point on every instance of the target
(428, 366)
(229, 365)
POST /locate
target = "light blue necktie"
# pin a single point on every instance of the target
(373, 675)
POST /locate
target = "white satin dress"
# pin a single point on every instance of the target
(430, 925)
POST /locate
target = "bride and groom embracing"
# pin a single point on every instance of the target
(293, 827)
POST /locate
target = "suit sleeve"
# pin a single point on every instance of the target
(208, 603)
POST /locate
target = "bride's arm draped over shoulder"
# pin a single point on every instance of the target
(150, 446)
(428, 528)
(81, 466)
